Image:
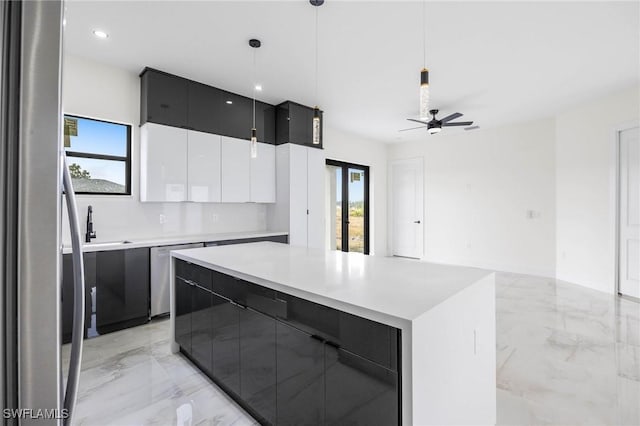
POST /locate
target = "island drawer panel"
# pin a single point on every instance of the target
(369, 339)
(194, 273)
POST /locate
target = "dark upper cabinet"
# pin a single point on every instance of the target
(206, 108)
(226, 343)
(89, 261)
(358, 391)
(236, 118)
(294, 124)
(122, 288)
(175, 101)
(184, 300)
(201, 327)
(258, 363)
(164, 98)
(266, 122)
(300, 377)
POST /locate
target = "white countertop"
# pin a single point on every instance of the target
(389, 290)
(173, 240)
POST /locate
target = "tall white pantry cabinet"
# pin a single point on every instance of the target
(300, 190)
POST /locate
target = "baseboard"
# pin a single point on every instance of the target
(497, 267)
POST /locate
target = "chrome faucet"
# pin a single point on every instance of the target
(90, 232)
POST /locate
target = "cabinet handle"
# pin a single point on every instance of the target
(238, 304)
(416, 221)
(334, 344)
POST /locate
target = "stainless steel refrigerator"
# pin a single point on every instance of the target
(31, 183)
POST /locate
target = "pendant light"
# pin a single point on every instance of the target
(424, 73)
(255, 44)
(316, 109)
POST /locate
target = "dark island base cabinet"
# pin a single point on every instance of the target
(258, 363)
(286, 360)
(300, 388)
(226, 343)
(359, 392)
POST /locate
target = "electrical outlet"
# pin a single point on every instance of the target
(163, 219)
(215, 217)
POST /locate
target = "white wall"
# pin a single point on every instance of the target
(92, 89)
(342, 146)
(478, 187)
(586, 185)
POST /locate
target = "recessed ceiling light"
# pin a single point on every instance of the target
(258, 87)
(100, 34)
(229, 102)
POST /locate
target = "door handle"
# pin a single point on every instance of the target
(77, 334)
(416, 221)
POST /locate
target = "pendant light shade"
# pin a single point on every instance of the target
(424, 94)
(254, 143)
(316, 126)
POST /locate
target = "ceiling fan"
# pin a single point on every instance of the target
(434, 125)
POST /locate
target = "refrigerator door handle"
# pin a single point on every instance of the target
(77, 335)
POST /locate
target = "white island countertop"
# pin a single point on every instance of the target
(446, 317)
(388, 290)
(171, 240)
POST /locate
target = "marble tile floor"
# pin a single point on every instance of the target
(565, 355)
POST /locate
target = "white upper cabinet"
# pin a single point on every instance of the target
(185, 165)
(236, 170)
(204, 167)
(263, 174)
(163, 163)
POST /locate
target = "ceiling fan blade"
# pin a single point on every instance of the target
(413, 128)
(418, 121)
(472, 128)
(459, 123)
(451, 117)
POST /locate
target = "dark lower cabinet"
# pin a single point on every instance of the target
(300, 377)
(258, 363)
(68, 293)
(122, 289)
(201, 327)
(225, 319)
(183, 313)
(358, 391)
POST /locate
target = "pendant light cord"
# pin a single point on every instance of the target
(254, 88)
(424, 33)
(316, 55)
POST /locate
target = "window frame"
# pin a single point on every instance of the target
(126, 160)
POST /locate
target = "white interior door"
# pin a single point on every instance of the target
(629, 213)
(407, 201)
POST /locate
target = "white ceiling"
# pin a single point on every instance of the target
(496, 62)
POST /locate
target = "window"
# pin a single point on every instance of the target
(99, 157)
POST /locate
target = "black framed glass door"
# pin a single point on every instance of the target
(350, 206)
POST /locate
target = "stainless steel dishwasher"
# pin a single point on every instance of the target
(160, 277)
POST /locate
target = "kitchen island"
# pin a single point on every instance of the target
(299, 335)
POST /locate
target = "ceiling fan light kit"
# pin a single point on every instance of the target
(435, 126)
